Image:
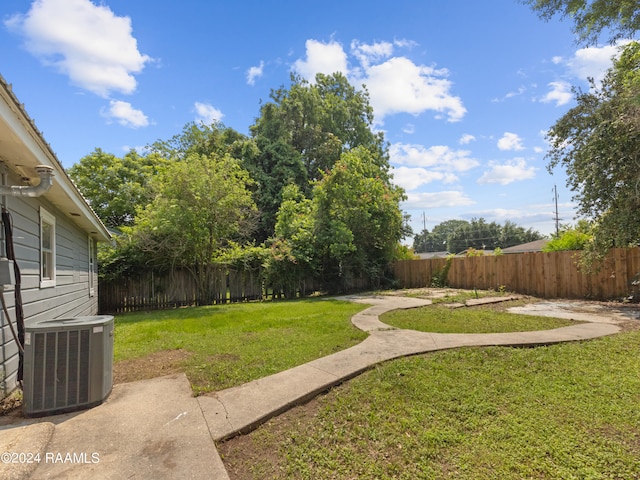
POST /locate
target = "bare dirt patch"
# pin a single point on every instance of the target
(158, 364)
(11, 404)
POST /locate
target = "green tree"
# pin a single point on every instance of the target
(320, 121)
(203, 139)
(277, 166)
(115, 187)
(358, 221)
(438, 239)
(598, 144)
(477, 234)
(457, 235)
(621, 18)
(512, 234)
(421, 242)
(575, 237)
(292, 248)
(302, 132)
(201, 205)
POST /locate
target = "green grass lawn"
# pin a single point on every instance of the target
(442, 319)
(228, 345)
(568, 411)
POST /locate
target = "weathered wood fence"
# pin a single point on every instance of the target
(544, 275)
(541, 274)
(178, 288)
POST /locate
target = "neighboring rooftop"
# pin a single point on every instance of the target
(535, 246)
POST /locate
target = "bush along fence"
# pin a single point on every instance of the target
(540, 274)
(151, 290)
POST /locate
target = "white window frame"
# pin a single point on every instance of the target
(92, 268)
(50, 280)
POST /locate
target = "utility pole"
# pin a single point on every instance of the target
(556, 216)
(424, 221)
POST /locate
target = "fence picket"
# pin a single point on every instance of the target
(547, 275)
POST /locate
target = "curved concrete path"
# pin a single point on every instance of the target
(156, 428)
(241, 409)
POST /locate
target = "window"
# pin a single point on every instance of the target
(47, 249)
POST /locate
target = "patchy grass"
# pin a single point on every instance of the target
(448, 295)
(567, 411)
(225, 345)
(442, 319)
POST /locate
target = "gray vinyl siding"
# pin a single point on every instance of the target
(69, 297)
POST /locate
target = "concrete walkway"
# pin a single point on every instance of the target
(241, 409)
(157, 429)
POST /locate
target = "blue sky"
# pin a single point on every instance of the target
(464, 90)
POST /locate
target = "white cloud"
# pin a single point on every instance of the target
(510, 141)
(88, 43)
(125, 114)
(395, 84)
(409, 129)
(254, 72)
(466, 139)
(207, 114)
(399, 85)
(321, 57)
(516, 93)
(413, 178)
(507, 173)
(560, 93)
(449, 198)
(371, 53)
(438, 157)
(593, 62)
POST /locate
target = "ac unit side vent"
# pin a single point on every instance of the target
(60, 369)
(67, 367)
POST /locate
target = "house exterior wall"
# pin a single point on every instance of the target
(71, 295)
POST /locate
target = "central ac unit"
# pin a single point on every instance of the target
(68, 364)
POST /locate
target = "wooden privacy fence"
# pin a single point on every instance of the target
(540, 274)
(178, 288)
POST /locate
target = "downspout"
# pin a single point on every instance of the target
(46, 181)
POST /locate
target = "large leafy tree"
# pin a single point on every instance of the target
(115, 187)
(292, 258)
(358, 221)
(438, 239)
(320, 121)
(458, 235)
(598, 143)
(302, 132)
(203, 139)
(621, 18)
(201, 205)
(277, 166)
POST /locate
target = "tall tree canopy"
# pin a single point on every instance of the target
(201, 204)
(115, 187)
(592, 17)
(302, 132)
(598, 143)
(203, 139)
(351, 228)
(358, 218)
(457, 235)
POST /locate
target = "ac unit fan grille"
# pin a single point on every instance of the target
(61, 369)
